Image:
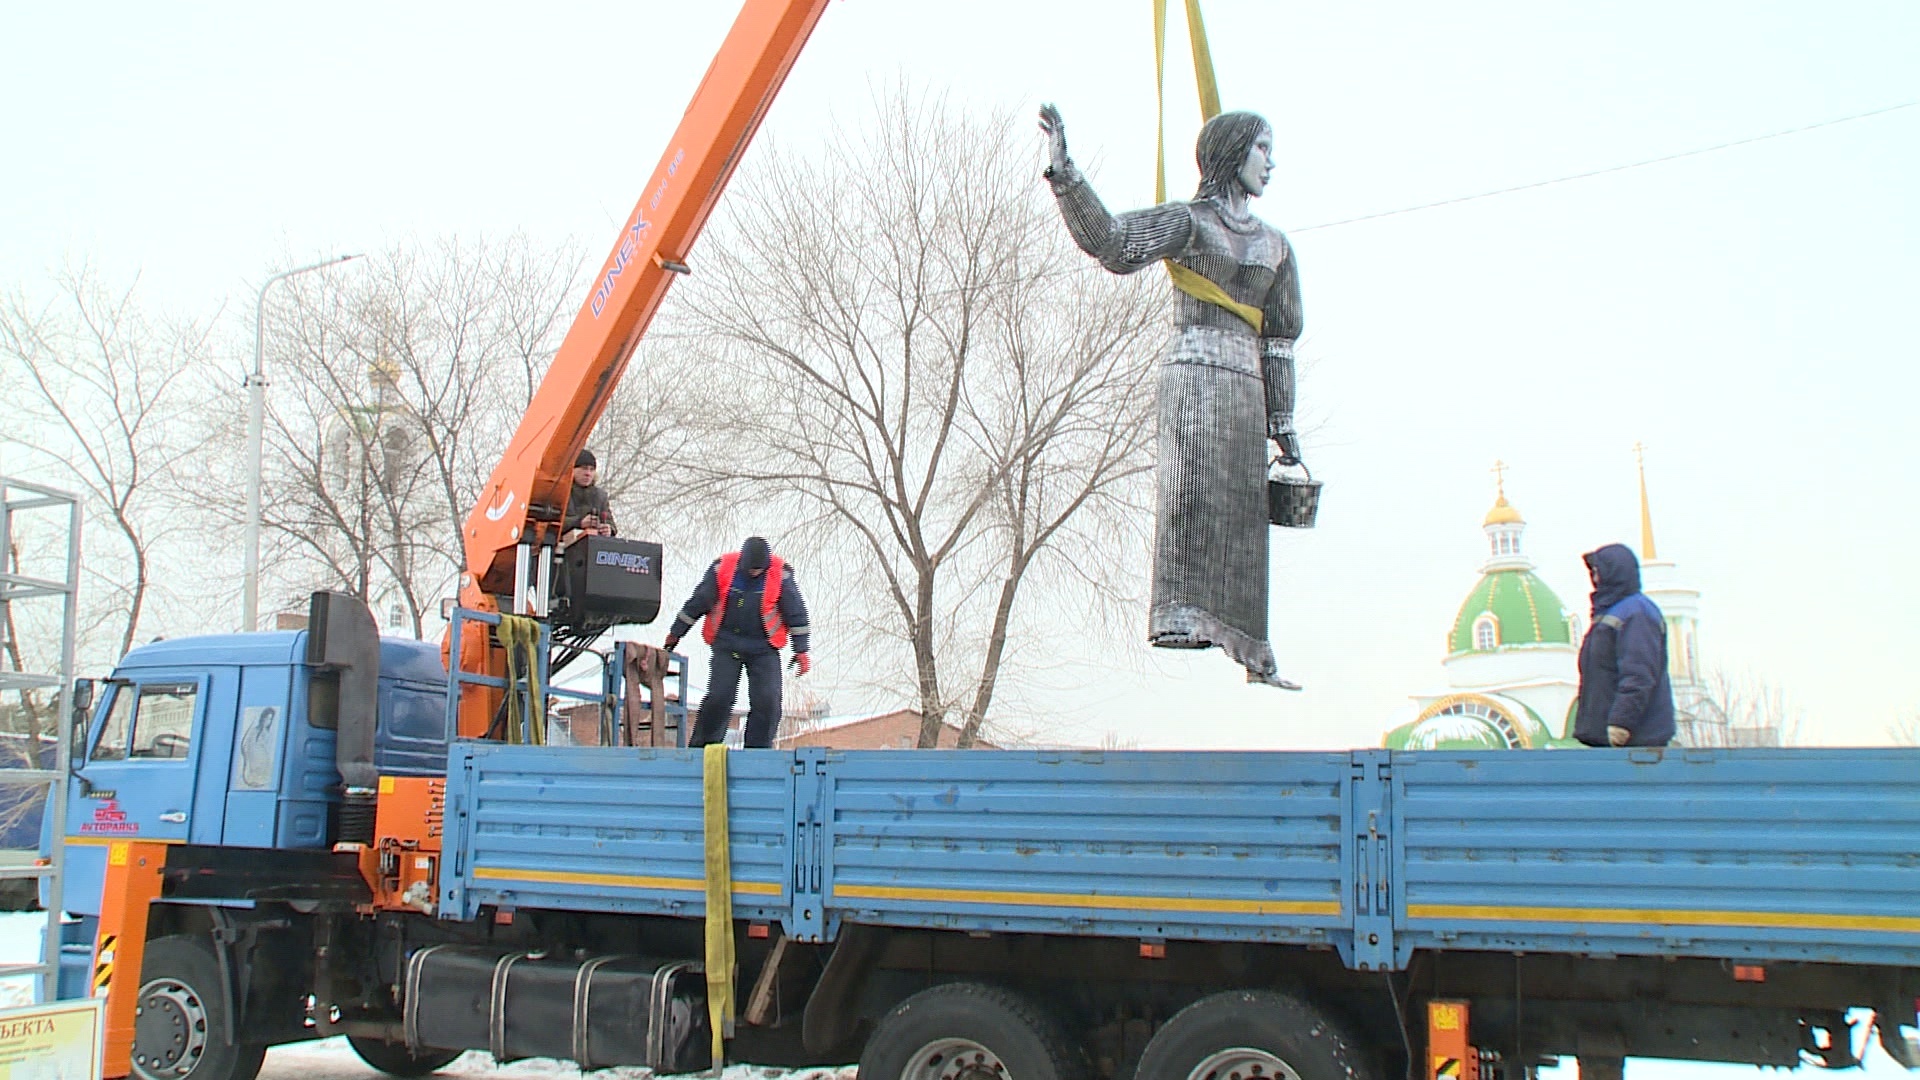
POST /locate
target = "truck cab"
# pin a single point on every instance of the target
(230, 741)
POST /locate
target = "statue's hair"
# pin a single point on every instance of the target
(1222, 148)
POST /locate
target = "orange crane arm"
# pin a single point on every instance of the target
(533, 478)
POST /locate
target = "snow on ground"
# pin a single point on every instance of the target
(19, 944)
(333, 1059)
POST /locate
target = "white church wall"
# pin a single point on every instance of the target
(1517, 664)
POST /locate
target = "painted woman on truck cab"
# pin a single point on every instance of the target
(1226, 381)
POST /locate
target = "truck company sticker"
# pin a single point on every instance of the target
(631, 563)
(110, 820)
(630, 242)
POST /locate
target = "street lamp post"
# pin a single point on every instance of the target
(256, 423)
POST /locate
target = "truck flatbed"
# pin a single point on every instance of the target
(1749, 855)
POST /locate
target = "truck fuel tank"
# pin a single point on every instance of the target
(596, 1011)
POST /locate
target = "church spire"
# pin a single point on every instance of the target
(1503, 512)
(1504, 525)
(1647, 552)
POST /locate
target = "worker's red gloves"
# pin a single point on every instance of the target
(803, 661)
(672, 640)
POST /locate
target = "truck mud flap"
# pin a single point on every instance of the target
(597, 1012)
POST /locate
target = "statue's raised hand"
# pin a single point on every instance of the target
(1056, 131)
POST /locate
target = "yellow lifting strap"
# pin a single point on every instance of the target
(720, 958)
(520, 637)
(1202, 288)
(1191, 282)
(1202, 74)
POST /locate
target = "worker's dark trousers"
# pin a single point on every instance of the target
(723, 685)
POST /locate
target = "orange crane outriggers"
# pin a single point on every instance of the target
(510, 535)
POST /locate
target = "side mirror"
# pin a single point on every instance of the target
(77, 718)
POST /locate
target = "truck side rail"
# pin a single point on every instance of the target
(1749, 855)
(610, 829)
(1149, 845)
(1786, 854)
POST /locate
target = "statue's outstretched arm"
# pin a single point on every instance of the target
(1124, 243)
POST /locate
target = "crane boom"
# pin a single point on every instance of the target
(531, 482)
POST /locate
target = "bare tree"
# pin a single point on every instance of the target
(896, 348)
(1740, 709)
(30, 718)
(655, 424)
(1906, 731)
(395, 385)
(112, 399)
(106, 397)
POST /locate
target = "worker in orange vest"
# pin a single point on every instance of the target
(753, 607)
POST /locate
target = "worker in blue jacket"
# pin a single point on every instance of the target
(1626, 698)
(752, 607)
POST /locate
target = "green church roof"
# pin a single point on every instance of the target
(1473, 721)
(1528, 613)
(1472, 735)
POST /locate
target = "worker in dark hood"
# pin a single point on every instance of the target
(587, 508)
(1625, 696)
(752, 606)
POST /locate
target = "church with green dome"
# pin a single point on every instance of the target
(1510, 606)
(1511, 658)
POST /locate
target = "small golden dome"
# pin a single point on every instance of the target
(1502, 513)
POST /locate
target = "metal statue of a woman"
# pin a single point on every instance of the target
(1226, 381)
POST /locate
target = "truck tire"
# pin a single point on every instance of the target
(180, 1024)
(968, 1031)
(1251, 1035)
(395, 1059)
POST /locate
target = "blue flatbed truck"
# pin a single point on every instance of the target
(1359, 915)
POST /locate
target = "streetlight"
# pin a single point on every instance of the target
(256, 422)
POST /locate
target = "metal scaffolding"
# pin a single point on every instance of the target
(58, 514)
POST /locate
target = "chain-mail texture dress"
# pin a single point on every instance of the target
(1224, 389)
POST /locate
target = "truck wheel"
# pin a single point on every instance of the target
(1251, 1035)
(396, 1060)
(180, 1018)
(967, 1031)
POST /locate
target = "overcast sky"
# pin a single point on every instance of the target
(1748, 314)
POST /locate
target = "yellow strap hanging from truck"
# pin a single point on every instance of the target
(520, 637)
(1191, 282)
(720, 958)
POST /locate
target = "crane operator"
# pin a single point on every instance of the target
(587, 507)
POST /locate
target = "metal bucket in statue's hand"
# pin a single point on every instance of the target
(1292, 502)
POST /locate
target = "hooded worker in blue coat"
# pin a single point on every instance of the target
(1626, 698)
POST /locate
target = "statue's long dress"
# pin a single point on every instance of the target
(1223, 389)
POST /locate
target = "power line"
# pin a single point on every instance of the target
(1609, 169)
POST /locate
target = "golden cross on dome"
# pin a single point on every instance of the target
(1499, 471)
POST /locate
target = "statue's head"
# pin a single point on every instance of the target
(1234, 148)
